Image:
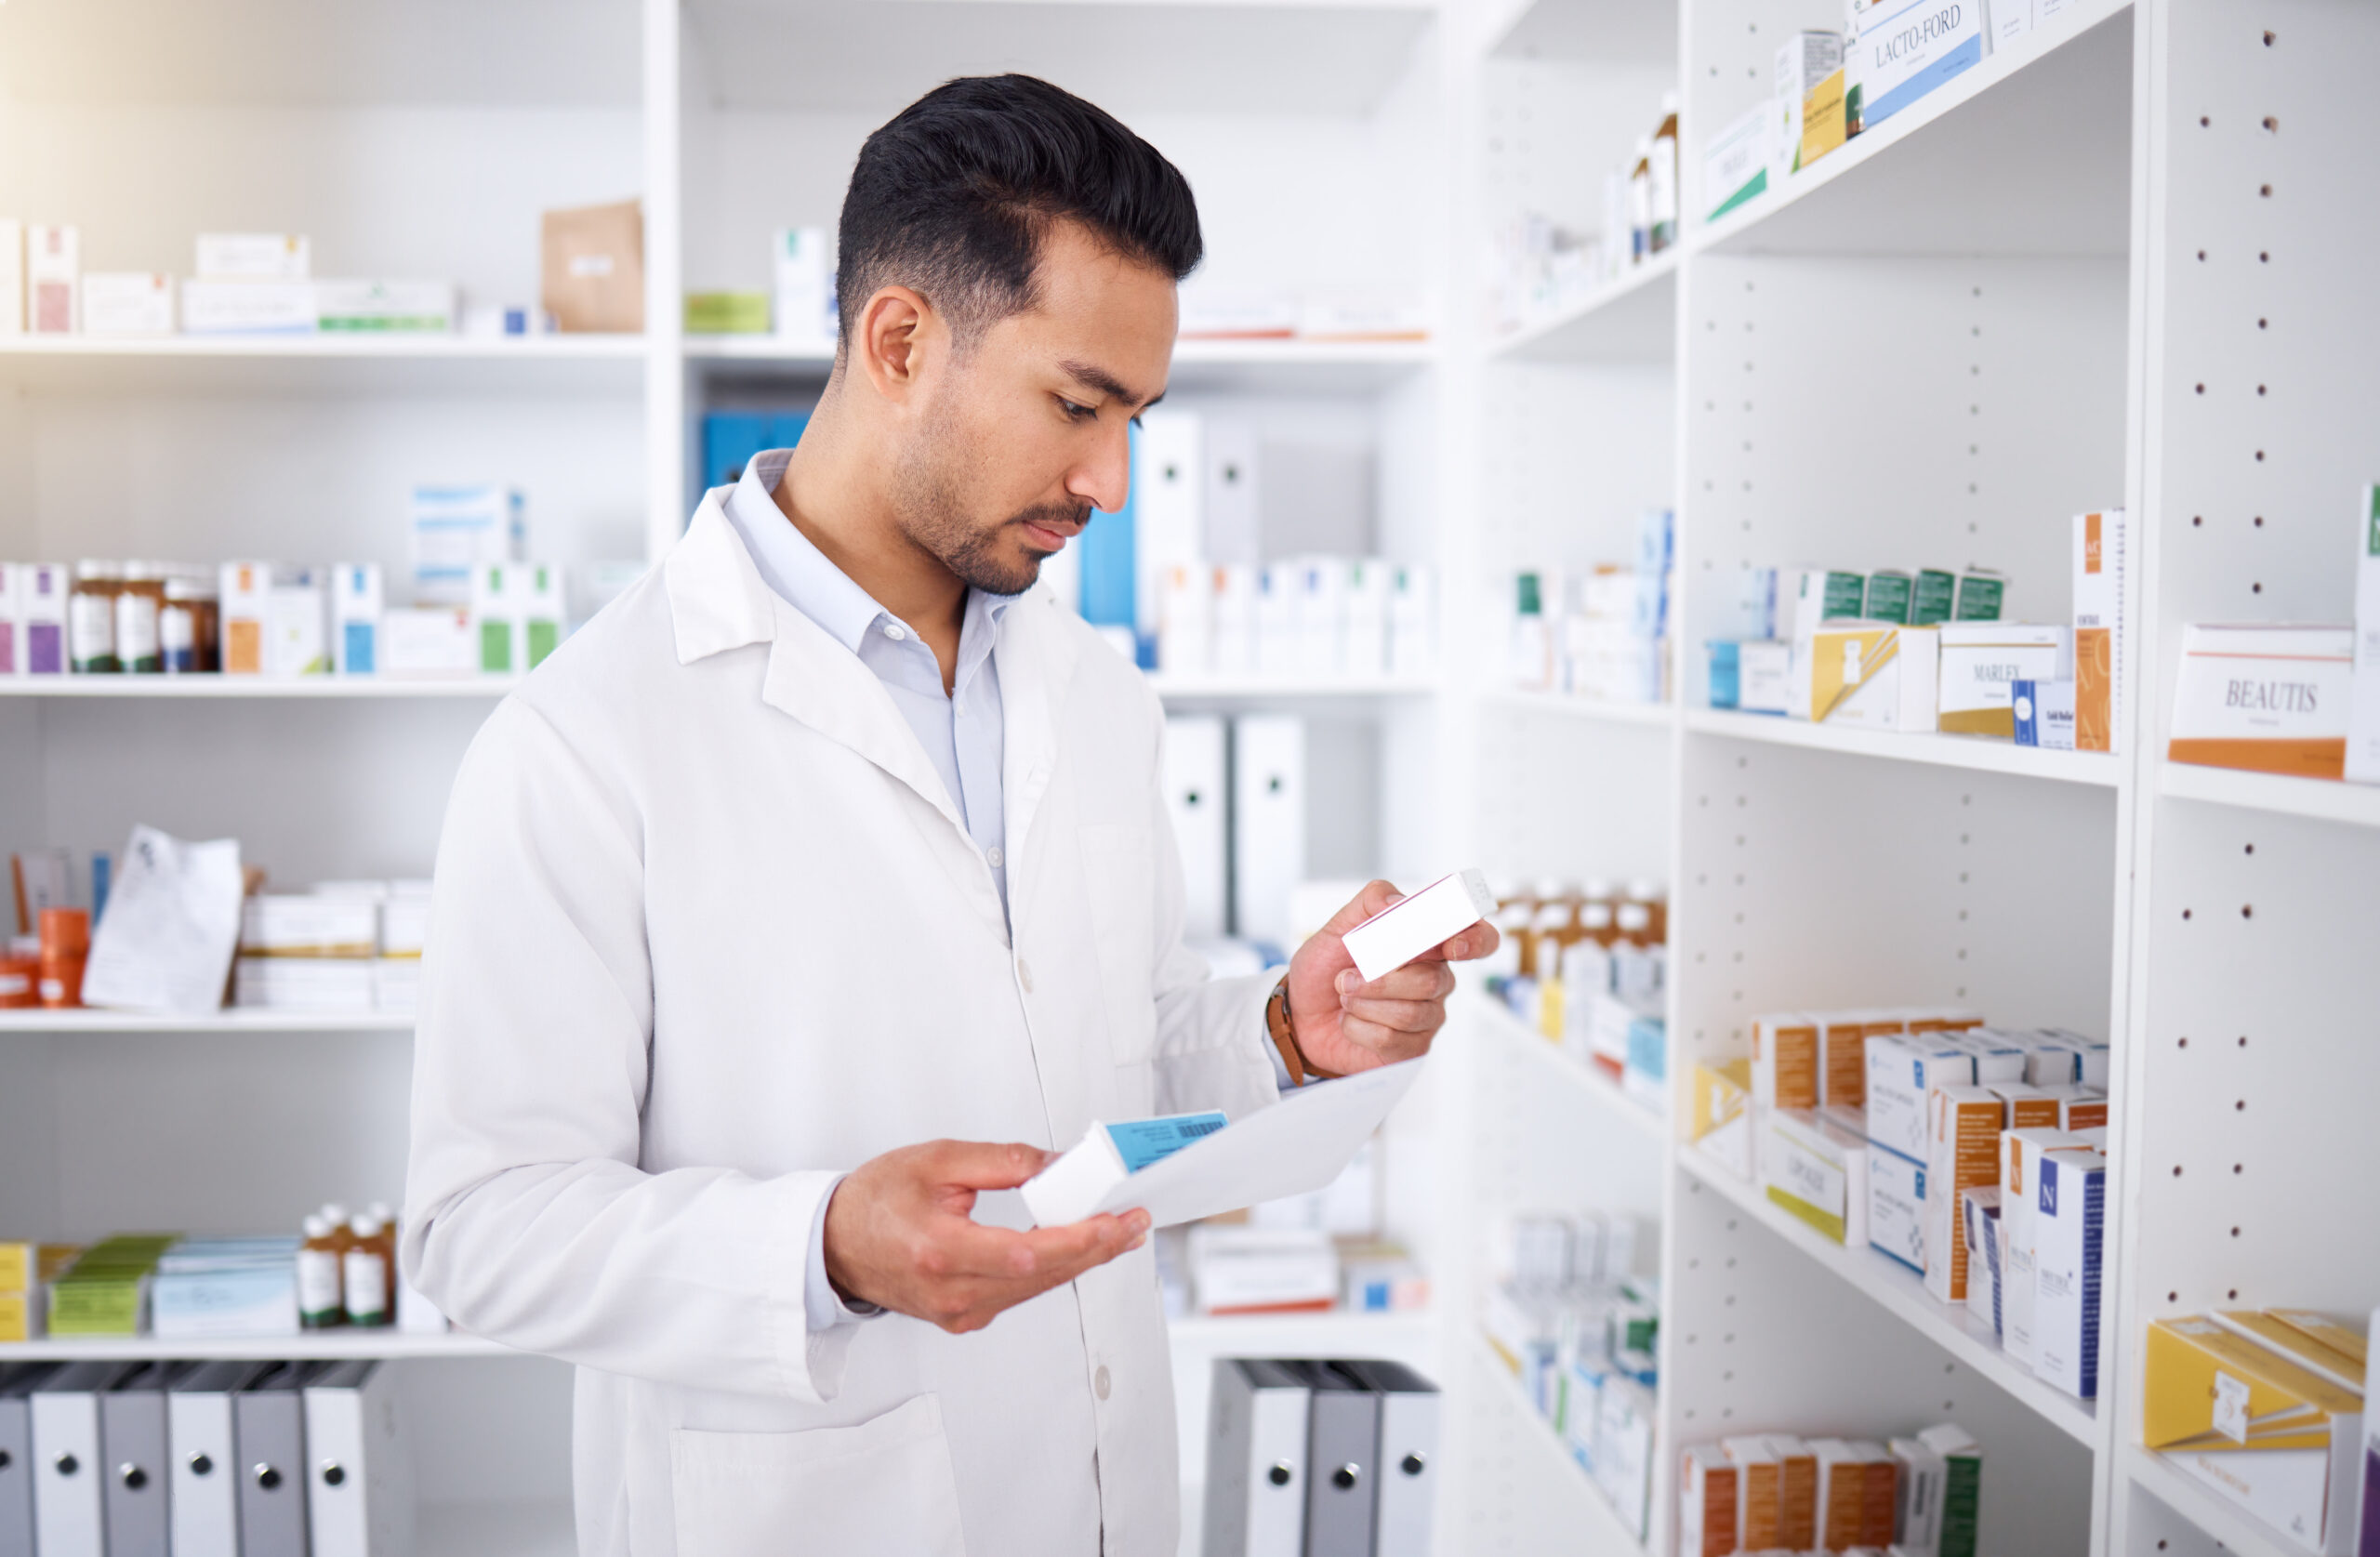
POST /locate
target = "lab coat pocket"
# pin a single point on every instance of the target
(885, 1486)
(1121, 886)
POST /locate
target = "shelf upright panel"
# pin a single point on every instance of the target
(665, 378)
(2253, 986)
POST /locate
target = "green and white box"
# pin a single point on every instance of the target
(1735, 166)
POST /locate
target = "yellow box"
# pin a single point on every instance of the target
(1823, 124)
(2277, 1335)
(2255, 1427)
(1722, 1113)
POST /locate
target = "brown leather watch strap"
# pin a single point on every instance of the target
(1278, 1022)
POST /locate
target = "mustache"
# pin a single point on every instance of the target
(1068, 519)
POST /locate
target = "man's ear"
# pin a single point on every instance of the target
(900, 335)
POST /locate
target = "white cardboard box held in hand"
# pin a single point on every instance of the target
(1299, 1144)
(1413, 924)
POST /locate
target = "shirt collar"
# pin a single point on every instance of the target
(800, 575)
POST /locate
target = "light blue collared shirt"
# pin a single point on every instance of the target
(960, 731)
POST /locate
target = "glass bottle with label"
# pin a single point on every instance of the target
(365, 1273)
(90, 618)
(139, 601)
(322, 1300)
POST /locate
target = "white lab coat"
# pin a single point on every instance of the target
(707, 932)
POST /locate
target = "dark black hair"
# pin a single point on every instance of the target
(952, 195)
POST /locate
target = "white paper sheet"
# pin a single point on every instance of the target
(171, 926)
(1300, 1144)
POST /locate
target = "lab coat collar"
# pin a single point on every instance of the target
(1036, 654)
(717, 601)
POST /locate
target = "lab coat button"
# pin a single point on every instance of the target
(895, 632)
(995, 856)
(1099, 1382)
(1024, 974)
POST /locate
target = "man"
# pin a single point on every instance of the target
(791, 912)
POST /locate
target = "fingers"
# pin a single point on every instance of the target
(1375, 896)
(1057, 1255)
(965, 1249)
(1480, 940)
(977, 1165)
(1391, 1043)
(1415, 981)
(1421, 1017)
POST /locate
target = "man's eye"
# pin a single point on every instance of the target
(1078, 413)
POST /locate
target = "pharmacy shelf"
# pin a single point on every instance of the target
(1509, 1032)
(1976, 753)
(2237, 1530)
(523, 1529)
(553, 363)
(1324, 366)
(342, 1343)
(253, 686)
(1339, 1333)
(1606, 1533)
(2326, 801)
(1633, 319)
(1587, 32)
(227, 1021)
(1901, 1292)
(1652, 715)
(1941, 177)
(1249, 688)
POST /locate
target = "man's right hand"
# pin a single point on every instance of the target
(898, 1235)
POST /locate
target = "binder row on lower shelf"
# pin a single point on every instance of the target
(1337, 1457)
(223, 1459)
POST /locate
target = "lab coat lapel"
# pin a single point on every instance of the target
(717, 601)
(1036, 661)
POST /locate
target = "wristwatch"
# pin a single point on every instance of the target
(1285, 1039)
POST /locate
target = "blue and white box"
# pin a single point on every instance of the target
(454, 530)
(2045, 713)
(1897, 1207)
(357, 599)
(1896, 51)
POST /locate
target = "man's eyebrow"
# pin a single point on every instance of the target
(1091, 376)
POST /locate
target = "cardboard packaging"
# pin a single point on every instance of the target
(356, 603)
(1785, 1061)
(1735, 165)
(1764, 677)
(1413, 924)
(2271, 699)
(1818, 1170)
(1901, 1072)
(253, 256)
(1963, 1141)
(2362, 764)
(1896, 1208)
(2069, 1220)
(1979, 1225)
(53, 279)
(1962, 1488)
(1982, 662)
(2044, 712)
(1805, 131)
(1902, 50)
(2098, 693)
(1872, 674)
(592, 269)
(1722, 1114)
(385, 308)
(453, 530)
(427, 642)
(247, 308)
(801, 264)
(296, 621)
(127, 303)
(2256, 1428)
(243, 592)
(1709, 1509)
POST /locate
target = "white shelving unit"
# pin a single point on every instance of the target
(2117, 263)
(402, 155)
(2111, 266)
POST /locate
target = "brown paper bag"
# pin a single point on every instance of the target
(594, 268)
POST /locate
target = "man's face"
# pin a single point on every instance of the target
(1029, 430)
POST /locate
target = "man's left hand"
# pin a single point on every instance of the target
(1344, 1024)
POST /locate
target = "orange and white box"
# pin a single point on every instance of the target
(1963, 1139)
(2269, 698)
